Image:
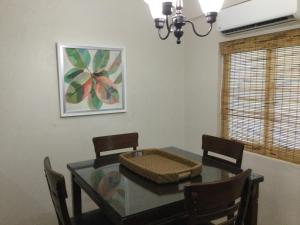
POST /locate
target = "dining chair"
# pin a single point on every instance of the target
(58, 193)
(114, 142)
(223, 202)
(225, 147)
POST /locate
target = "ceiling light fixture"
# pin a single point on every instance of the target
(165, 13)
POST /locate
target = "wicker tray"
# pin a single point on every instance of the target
(159, 166)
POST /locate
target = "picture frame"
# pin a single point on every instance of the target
(92, 79)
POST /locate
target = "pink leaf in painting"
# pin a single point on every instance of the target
(87, 86)
(106, 90)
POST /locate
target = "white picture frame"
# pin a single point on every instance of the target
(92, 79)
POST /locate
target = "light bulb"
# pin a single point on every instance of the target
(211, 5)
(155, 7)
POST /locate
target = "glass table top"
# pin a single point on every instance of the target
(128, 193)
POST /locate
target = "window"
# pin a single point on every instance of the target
(261, 94)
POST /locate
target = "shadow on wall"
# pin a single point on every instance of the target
(22, 209)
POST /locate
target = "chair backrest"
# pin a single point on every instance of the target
(213, 201)
(58, 193)
(229, 148)
(113, 142)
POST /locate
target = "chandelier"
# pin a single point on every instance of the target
(167, 14)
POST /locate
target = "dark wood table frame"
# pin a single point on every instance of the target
(159, 215)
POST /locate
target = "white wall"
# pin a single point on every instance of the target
(31, 127)
(279, 202)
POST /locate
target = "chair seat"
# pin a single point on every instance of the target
(183, 221)
(95, 217)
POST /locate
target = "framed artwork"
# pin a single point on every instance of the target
(92, 80)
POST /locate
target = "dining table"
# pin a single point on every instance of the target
(127, 198)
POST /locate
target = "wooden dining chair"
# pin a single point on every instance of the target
(58, 193)
(224, 201)
(228, 148)
(114, 142)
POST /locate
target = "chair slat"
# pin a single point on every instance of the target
(217, 213)
(212, 201)
(229, 148)
(113, 142)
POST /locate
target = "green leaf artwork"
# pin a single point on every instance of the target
(115, 65)
(71, 74)
(100, 60)
(78, 88)
(93, 78)
(93, 101)
(79, 58)
(119, 79)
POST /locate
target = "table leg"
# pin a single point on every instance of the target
(76, 197)
(252, 211)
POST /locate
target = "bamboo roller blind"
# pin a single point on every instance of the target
(261, 94)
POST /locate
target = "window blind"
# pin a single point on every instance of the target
(261, 94)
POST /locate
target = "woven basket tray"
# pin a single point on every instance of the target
(159, 166)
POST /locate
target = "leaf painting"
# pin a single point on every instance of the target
(93, 78)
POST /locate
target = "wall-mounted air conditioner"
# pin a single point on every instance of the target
(253, 14)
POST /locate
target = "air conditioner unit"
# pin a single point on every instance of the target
(253, 14)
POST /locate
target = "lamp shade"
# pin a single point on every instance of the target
(211, 5)
(155, 7)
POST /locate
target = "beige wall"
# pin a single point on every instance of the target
(279, 202)
(157, 87)
(31, 127)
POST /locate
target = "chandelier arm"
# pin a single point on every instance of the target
(167, 24)
(194, 29)
(165, 37)
(168, 29)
